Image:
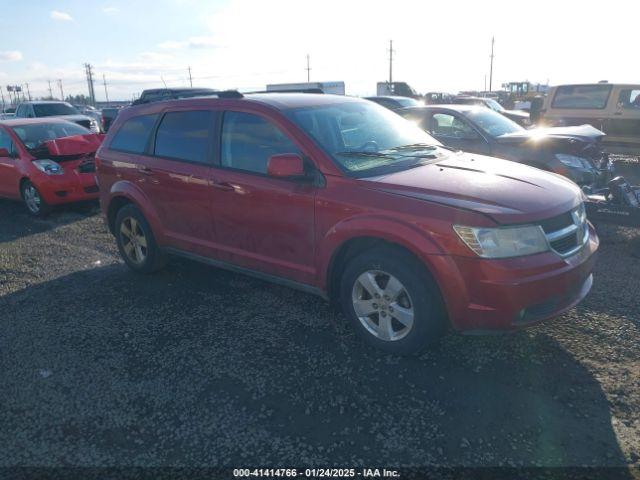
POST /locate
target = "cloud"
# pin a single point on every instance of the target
(10, 56)
(110, 10)
(192, 42)
(61, 16)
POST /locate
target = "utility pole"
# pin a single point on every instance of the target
(89, 71)
(190, 79)
(308, 69)
(61, 92)
(106, 93)
(28, 91)
(50, 91)
(391, 62)
(491, 65)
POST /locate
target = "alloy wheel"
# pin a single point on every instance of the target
(383, 305)
(32, 198)
(134, 241)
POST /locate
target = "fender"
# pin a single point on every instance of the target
(375, 226)
(124, 188)
(441, 266)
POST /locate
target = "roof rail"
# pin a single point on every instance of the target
(291, 90)
(173, 95)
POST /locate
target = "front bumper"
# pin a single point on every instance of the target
(507, 294)
(71, 186)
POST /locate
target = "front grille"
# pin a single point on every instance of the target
(84, 123)
(565, 244)
(568, 232)
(557, 223)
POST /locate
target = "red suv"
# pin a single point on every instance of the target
(46, 162)
(341, 197)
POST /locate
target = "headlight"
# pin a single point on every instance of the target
(503, 242)
(49, 167)
(572, 160)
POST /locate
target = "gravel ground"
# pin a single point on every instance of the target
(196, 366)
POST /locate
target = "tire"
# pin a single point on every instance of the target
(411, 294)
(33, 201)
(136, 242)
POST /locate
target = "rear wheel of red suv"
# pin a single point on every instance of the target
(392, 301)
(136, 242)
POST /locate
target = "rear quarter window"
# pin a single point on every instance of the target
(589, 97)
(133, 134)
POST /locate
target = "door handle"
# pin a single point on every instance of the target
(145, 170)
(224, 186)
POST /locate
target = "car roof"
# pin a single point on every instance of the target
(457, 107)
(279, 101)
(16, 122)
(44, 101)
(391, 97)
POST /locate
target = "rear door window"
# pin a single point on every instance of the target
(590, 97)
(185, 136)
(133, 135)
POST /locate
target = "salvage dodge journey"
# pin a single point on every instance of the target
(341, 197)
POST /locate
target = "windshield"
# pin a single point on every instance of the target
(366, 139)
(408, 102)
(493, 105)
(492, 123)
(53, 109)
(32, 136)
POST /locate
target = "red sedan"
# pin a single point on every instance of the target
(46, 162)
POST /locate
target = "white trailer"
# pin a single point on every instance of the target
(335, 88)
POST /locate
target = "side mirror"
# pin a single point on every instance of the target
(4, 152)
(286, 165)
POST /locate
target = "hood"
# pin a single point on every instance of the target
(73, 146)
(74, 118)
(517, 113)
(586, 133)
(508, 192)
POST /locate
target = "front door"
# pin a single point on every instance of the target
(261, 223)
(9, 173)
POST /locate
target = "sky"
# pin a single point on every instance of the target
(246, 44)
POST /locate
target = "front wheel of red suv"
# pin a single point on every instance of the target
(136, 242)
(392, 301)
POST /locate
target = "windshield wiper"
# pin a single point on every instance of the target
(356, 153)
(411, 146)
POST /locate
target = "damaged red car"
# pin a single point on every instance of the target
(46, 162)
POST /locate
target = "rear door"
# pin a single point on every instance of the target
(261, 223)
(177, 174)
(9, 173)
(623, 127)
